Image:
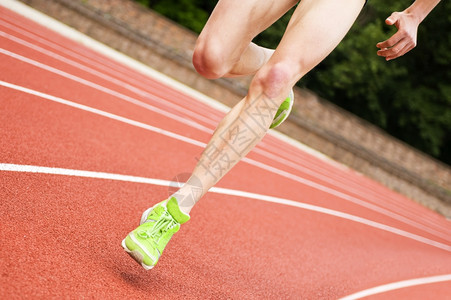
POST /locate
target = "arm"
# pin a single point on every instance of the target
(407, 22)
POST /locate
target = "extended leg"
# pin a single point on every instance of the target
(315, 29)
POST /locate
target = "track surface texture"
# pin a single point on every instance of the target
(88, 143)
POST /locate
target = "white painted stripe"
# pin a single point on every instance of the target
(230, 192)
(104, 114)
(79, 37)
(246, 160)
(81, 173)
(111, 79)
(398, 285)
(170, 134)
(344, 196)
(352, 186)
(106, 90)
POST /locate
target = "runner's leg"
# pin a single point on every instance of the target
(315, 29)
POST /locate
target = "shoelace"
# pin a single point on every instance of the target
(165, 223)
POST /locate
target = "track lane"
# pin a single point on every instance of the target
(271, 183)
(260, 281)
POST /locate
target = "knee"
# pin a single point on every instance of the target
(208, 60)
(275, 81)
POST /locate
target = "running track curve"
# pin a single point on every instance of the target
(87, 143)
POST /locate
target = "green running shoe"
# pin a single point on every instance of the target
(284, 111)
(146, 243)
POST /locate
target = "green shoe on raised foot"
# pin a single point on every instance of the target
(146, 243)
(284, 111)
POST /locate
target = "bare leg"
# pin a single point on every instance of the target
(251, 60)
(224, 47)
(315, 29)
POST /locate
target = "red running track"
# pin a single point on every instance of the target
(88, 143)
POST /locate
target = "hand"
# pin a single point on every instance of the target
(404, 40)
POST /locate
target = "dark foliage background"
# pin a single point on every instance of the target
(410, 97)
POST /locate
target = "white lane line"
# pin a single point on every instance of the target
(398, 285)
(79, 52)
(106, 90)
(352, 187)
(263, 166)
(108, 78)
(230, 192)
(88, 42)
(104, 114)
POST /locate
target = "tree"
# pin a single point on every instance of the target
(192, 14)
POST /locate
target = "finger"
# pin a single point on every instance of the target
(392, 52)
(392, 19)
(386, 52)
(395, 39)
(401, 52)
(382, 52)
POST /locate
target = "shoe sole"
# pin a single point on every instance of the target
(136, 255)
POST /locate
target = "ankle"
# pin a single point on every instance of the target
(185, 202)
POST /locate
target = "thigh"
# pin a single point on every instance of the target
(315, 29)
(234, 23)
